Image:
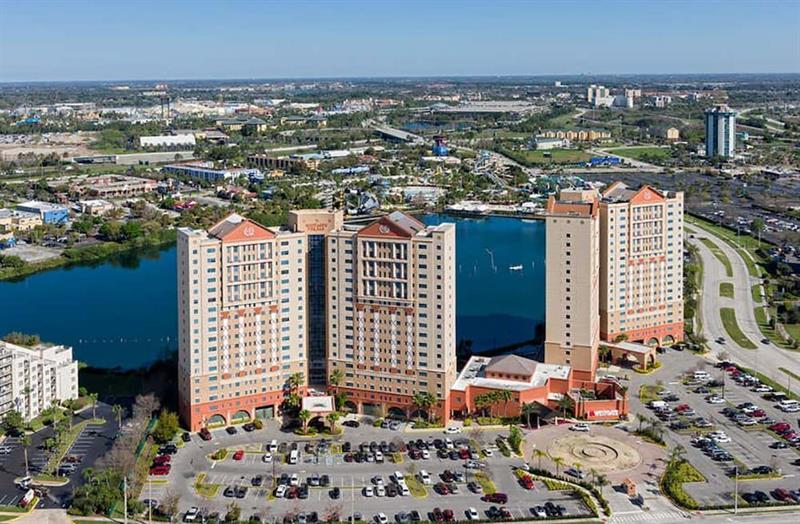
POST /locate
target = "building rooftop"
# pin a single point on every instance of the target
(574, 208)
(41, 206)
(474, 373)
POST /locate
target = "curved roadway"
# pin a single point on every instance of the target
(768, 357)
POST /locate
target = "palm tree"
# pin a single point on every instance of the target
(93, 400)
(340, 398)
(642, 420)
(27, 392)
(26, 441)
(294, 380)
(304, 416)
(539, 454)
(117, 410)
(423, 400)
(332, 418)
(565, 403)
(577, 465)
(505, 395)
(337, 375)
(593, 473)
(677, 453)
(601, 481)
(481, 402)
(558, 461)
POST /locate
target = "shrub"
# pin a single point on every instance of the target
(677, 473)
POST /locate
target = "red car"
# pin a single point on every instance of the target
(161, 460)
(448, 515)
(780, 427)
(497, 498)
(527, 482)
(239, 455)
(789, 435)
(783, 495)
(758, 413)
(205, 434)
(683, 407)
(160, 470)
(463, 453)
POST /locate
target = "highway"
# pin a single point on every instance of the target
(767, 358)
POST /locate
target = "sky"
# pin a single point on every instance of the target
(44, 40)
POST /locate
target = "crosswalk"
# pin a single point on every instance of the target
(648, 516)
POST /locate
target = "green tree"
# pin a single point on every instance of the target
(118, 411)
(558, 462)
(539, 454)
(565, 403)
(515, 439)
(167, 426)
(13, 423)
(93, 400)
(26, 442)
(332, 418)
(337, 375)
(304, 416)
(505, 395)
(423, 400)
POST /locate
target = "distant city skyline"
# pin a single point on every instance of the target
(90, 40)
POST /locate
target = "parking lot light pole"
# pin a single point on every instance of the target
(125, 498)
(735, 490)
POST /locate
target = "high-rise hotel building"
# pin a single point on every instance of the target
(572, 281)
(641, 265)
(242, 319)
(391, 313)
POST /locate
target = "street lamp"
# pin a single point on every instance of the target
(735, 489)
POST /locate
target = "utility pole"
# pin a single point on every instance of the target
(125, 498)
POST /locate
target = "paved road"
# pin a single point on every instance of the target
(767, 358)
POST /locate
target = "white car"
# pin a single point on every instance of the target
(267, 458)
(368, 491)
(399, 477)
(716, 400)
(281, 491)
(472, 514)
(294, 480)
(191, 515)
(452, 430)
(579, 427)
(488, 452)
(424, 477)
(381, 518)
(449, 443)
(403, 489)
(5, 450)
(763, 388)
(425, 454)
(377, 480)
(380, 491)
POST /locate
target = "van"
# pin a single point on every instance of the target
(789, 405)
(657, 404)
(293, 456)
(273, 446)
(701, 375)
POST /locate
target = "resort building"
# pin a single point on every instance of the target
(242, 320)
(391, 314)
(316, 224)
(49, 213)
(572, 281)
(116, 186)
(34, 379)
(530, 382)
(641, 265)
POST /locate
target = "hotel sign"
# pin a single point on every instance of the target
(604, 413)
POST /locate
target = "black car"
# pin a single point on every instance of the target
(169, 449)
(241, 492)
(391, 490)
(303, 492)
(324, 481)
(230, 491)
(351, 423)
(230, 430)
(186, 437)
(347, 447)
(249, 427)
(258, 480)
(335, 493)
(415, 516)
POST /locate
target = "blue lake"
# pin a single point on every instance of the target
(122, 312)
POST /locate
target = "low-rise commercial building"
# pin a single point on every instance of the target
(206, 171)
(34, 379)
(49, 213)
(95, 207)
(577, 135)
(14, 220)
(115, 186)
(179, 140)
(283, 163)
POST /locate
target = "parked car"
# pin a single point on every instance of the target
(579, 427)
(230, 430)
(205, 434)
(496, 498)
(239, 455)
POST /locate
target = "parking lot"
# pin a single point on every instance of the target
(741, 441)
(92, 443)
(350, 477)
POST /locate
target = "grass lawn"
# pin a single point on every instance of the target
(793, 330)
(732, 328)
(766, 330)
(205, 489)
(6, 518)
(640, 152)
(649, 392)
(721, 256)
(758, 296)
(551, 156)
(486, 483)
(726, 289)
(795, 377)
(415, 487)
(742, 243)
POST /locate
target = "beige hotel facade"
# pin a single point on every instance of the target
(257, 305)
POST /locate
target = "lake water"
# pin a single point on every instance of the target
(122, 312)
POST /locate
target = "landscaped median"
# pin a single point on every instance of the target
(62, 449)
(205, 489)
(592, 497)
(721, 256)
(679, 472)
(731, 326)
(726, 289)
(415, 487)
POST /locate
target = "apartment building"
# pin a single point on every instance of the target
(641, 265)
(33, 379)
(391, 313)
(572, 281)
(242, 319)
(316, 223)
